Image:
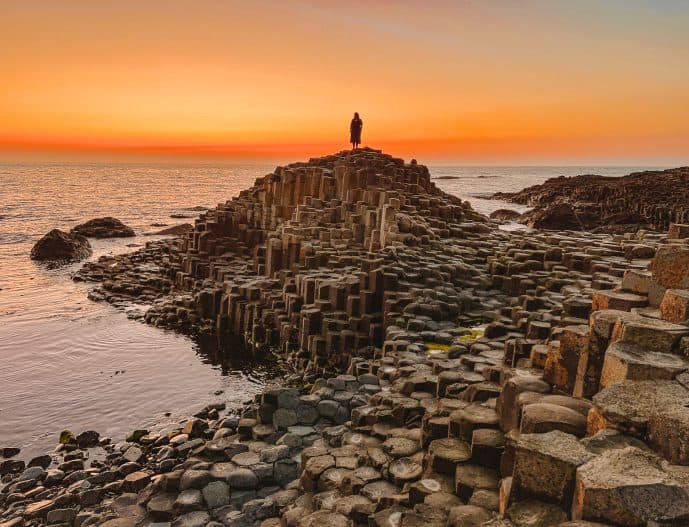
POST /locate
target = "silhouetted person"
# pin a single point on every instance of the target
(355, 131)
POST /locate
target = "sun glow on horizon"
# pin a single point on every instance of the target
(487, 82)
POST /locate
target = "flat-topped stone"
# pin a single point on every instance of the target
(545, 466)
(625, 361)
(617, 300)
(631, 487)
(670, 267)
(649, 334)
(628, 406)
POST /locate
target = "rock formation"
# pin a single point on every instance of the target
(446, 373)
(505, 215)
(182, 228)
(651, 199)
(59, 246)
(312, 258)
(103, 228)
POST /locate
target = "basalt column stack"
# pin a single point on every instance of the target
(300, 260)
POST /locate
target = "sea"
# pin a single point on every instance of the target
(67, 362)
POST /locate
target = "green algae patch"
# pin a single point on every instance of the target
(474, 333)
(67, 437)
(437, 346)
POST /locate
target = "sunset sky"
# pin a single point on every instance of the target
(490, 82)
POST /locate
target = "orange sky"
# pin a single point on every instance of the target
(473, 82)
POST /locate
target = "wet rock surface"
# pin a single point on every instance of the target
(459, 376)
(182, 228)
(652, 199)
(505, 215)
(61, 247)
(103, 228)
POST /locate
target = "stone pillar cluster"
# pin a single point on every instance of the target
(307, 260)
(450, 373)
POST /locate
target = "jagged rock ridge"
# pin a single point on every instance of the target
(651, 199)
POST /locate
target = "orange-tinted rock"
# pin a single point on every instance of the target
(675, 306)
(59, 246)
(641, 199)
(107, 227)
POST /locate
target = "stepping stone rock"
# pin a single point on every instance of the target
(376, 490)
(242, 478)
(463, 422)
(649, 334)
(400, 447)
(468, 516)
(194, 479)
(507, 408)
(545, 466)
(630, 362)
(404, 470)
(487, 446)
(628, 406)
(284, 418)
(668, 434)
(541, 417)
(192, 519)
(563, 362)
(445, 454)
(136, 481)
(161, 507)
(189, 500)
(617, 300)
(216, 494)
(323, 518)
(675, 306)
(629, 487)
(532, 513)
(469, 478)
(670, 267)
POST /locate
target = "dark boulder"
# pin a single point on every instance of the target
(560, 216)
(104, 228)
(59, 246)
(505, 215)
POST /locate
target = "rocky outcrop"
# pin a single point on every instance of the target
(58, 246)
(652, 199)
(175, 230)
(103, 228)
(505, 215)
(559, 217)
(353, 236)
(558, 413)
(460, 376)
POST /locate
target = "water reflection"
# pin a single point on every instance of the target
(230, 354)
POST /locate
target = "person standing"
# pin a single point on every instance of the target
(355, 131)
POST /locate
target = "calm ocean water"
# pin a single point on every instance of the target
(67, 362)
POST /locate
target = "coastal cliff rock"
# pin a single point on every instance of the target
(559, 217)
(463, 375)
(641, 200)
(59, 246)
(107, 227)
